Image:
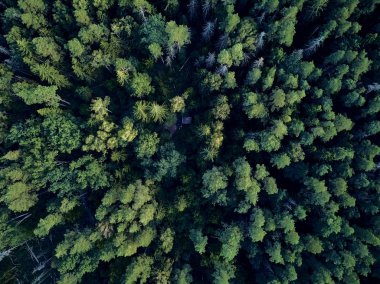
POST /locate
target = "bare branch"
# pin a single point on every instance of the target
(260, 40)
(373, 87)
(208, 30)
(210, 59)
(192, 6)
(222, 70)
(313, 45)
(206, 8)
(258, 63)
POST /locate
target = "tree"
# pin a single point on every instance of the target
(124, 68)
(208, 30)
(284, 29)
(157, 112)
(178, 35)
(183, 276)
(261, 172)
(141, 85)
(212, 82)
(230, 239)
(269, 78)
(230, 80)
(223, 272)
(167, 164)
(127, 133)
(243, 174)
(253, 107)
(199, 240)
(237, 54)
(313, 244)
(255, 229)
(89, 172)
(139, 269)
(274, 250)
(147, 145)
(46, 224)
(75, 47)
(269, 142)
(317, 192)
(19, 197)
(270, 185)
(156, 50)
(225, 58)
(222, 108)
(277, 99)
(33, 14)
(99, 107)
(232, 19)
(253, 76)
(317, 7)
(141, 111)
(37, 94)
(62, 132)
(214, 185)
(281, 160)
(177, 104)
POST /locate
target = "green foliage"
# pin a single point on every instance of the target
(178, 34)
(232, 19)
(19, 197)
(46, 224)
(127, 133)
(280, 160)
(199, 240)
(156, 50)
(157, 112)
(230, 239)
(284, 29)
(269, 78)
(153, 30)
(169, 160)
(177, 104)
(189, 141)
(317, 192)
(274, 250)
(224, 58)
(139, 270)
(167, 239)
(147, 145)
(140, 111)
(183, 276)
(140, 85)
(313, 245)
(256, 231)
(89, 172)
(253, 107)
(37, 94)
(214, 185)
(223, 272)
(270, 185)
(253, 76)
(62, 132)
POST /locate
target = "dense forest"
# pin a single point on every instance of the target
(194, 141)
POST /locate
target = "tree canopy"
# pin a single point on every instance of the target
(195, 141)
